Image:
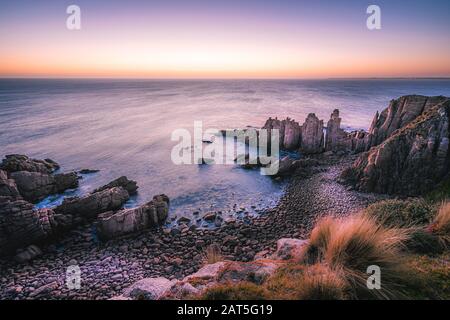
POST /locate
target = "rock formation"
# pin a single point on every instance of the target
(129, 185)
(17, 162)
(89, 206)
(312, 135)
(415, 155)
(35, 186)
(114, 224)
(8, 187)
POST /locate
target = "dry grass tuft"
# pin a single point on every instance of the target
(351, 245)
(441, 223)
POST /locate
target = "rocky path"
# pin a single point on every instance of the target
(107, 268)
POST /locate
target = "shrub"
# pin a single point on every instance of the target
(234, 291)
(400, 213)
(315, 282)
(349, 246)
(441, 223)
(424, 242)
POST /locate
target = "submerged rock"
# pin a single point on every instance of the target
(17, 162)
(114, 224)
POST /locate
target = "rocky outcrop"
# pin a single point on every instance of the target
(399, 113)
(89, 206)
(8, 187)
(17, 162)
(312, 135)
(35, 186)
(292, 134)
(414, 157)
(115, 224)
(223, 272)
(129, 185)
(22, 225)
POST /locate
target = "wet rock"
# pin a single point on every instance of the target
(17, 162)
(129, 185)
(35, 186)
(209, 217)
(88, 171)
(91, 205)
(114, 224)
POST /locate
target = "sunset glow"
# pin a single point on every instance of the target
(206, 39)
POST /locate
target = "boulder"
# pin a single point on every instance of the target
(129, 185)
(114, 224)
(312, 135)
(35, 186)
(8, 187)
(413, 159)
(148, 289)
(288, 248)
(22, 225)
(89, 206)
(17, 162)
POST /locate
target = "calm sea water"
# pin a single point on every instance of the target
(123, 127)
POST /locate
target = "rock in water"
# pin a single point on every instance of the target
(414, 158)
(17, 162)
(35, 186)
(114, 224)
(88, 207)
(129, 185)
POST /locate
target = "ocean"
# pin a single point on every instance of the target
(124, 127)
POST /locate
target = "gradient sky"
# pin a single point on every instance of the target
(225, 39)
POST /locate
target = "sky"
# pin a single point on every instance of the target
(225, 39)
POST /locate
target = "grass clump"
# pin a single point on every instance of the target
(400, 213)
(441, 223)
(235, 291)
(348, 247)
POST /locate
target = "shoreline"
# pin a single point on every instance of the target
(109, 267)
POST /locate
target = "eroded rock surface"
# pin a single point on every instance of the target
(414, 158)
(114, 224)
(17, 162)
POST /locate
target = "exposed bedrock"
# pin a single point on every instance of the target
(17, 162)
(89, 206)
(151, 214)
(22, 225)
(35, 186)
(312, 135)
(8, 187)
(124, 182)
(414, 157)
